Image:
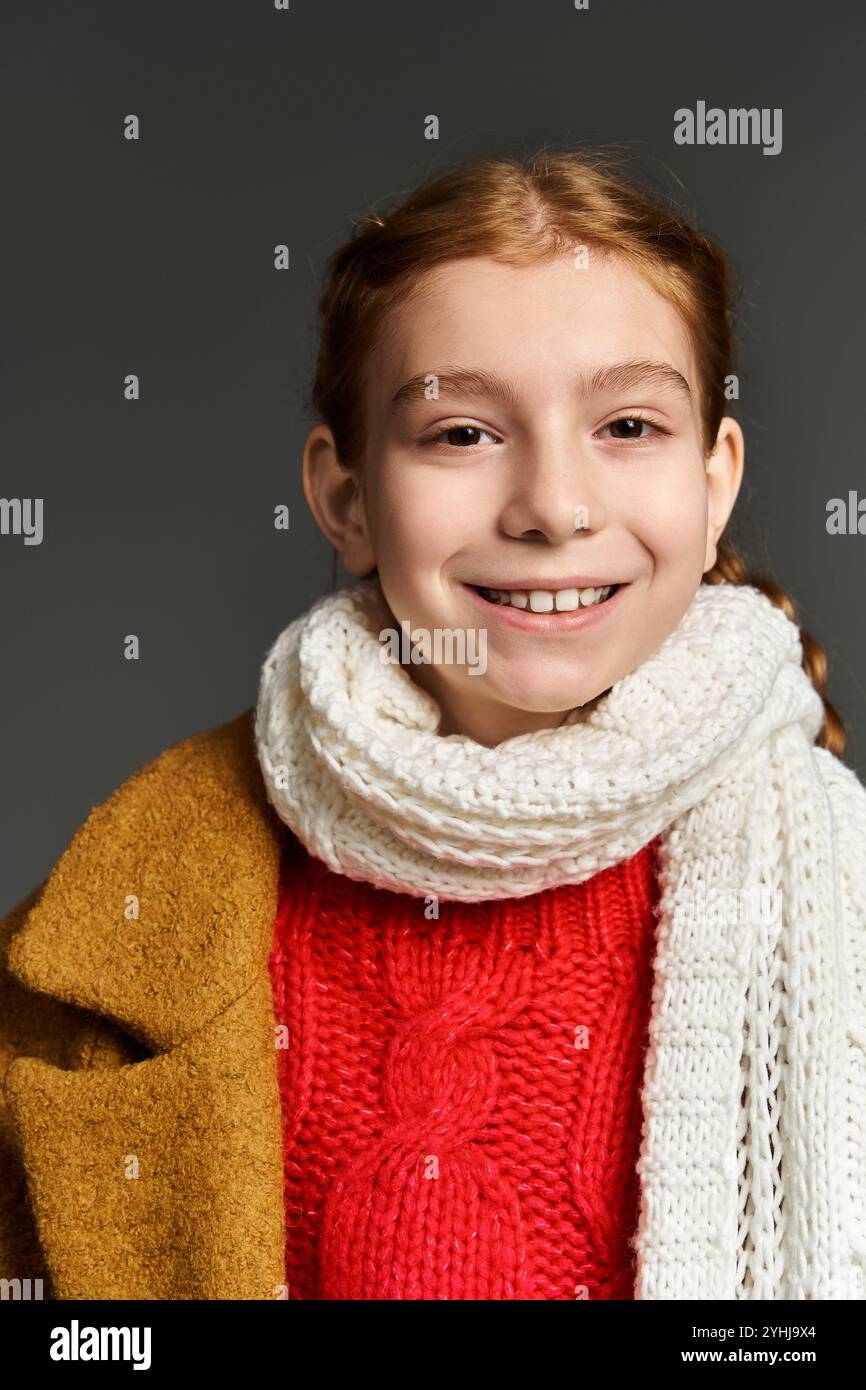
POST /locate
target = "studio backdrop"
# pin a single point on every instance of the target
(175, 176)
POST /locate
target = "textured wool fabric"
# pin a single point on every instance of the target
(710, 743)
(354, 765)
(461, 1094)
(140, 1150)
(154, 1036)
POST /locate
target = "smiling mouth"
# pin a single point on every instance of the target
(546, 601)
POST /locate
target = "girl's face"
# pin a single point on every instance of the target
(531, 430)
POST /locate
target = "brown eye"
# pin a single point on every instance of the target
(634, 425)
(460, 436)
(628, 429)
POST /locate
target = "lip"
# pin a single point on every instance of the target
(577, 581)
(548, 624)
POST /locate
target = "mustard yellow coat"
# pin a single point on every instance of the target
(140, 1138)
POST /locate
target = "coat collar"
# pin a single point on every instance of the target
(158, 918)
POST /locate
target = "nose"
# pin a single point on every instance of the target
(554, 492)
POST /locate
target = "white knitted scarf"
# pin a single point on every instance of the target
(349, 748)
(710, 741)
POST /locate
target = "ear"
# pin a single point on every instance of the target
(724, 474)
(335, 498)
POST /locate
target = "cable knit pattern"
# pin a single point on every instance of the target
(751, 1172)
(450, 1129)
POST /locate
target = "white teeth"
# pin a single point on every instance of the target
(546, 600)
(541, 600)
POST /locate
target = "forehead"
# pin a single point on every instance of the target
(529, 321)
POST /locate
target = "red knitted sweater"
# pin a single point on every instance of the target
(461, 1095)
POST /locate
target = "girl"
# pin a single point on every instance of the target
(512, 947)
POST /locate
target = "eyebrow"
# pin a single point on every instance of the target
(616, 376)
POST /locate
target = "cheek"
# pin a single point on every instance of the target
(670, 515)
(426, 515)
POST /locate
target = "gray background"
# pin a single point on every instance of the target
(155, 257)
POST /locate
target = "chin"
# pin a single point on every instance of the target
(545, 699)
